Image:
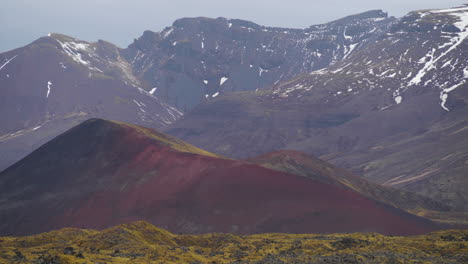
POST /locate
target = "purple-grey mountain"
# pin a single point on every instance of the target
(381, 96)
(58, 81)
(394, 110)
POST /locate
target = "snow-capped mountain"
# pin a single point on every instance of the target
(365, 92)
(423, 52)
(394, 110)
(58, 81)
(198, 59)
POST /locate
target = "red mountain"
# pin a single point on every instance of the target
(102, 173)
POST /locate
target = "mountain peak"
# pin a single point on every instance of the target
(191, 22)
(62, 37)
(96, 127)
(374, 15)
(119, 173)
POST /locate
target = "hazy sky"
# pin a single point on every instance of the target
(120, 21)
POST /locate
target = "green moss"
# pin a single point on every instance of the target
(141, 242)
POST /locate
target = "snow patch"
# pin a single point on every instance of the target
(319, 72)
(223, 80)
(447, 64)
(261, 71)
(139, 105)
(167, 33)
(398, 99)
(49, 84)
(143, 91)
(457, 9)
(443, 98)
(72, 49)
(444, 94)
(453, 42)
(346, 36)
(8, 61)
(376, 19)
(351, 49)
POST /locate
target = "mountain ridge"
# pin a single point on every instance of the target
(121, 173)
(364, 113)
(180, 80)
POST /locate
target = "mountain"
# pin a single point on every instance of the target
(141, 242)
(394, 111)
(299, 163)
(196, 59)
(102, 173)
(57, 82)
(59, 76)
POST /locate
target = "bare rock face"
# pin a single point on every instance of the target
(197, 59)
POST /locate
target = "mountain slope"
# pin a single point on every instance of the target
(59, 81)
(299, 163)
(140, 242)
(103, 173)
(367, 112)
(197, 59)
(56, 79)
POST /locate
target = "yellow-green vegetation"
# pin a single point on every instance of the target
(444, 217)
(172, 142)
(141, 242)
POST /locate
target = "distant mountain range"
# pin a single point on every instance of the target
(394, 111)
(197, 59)
(59, 81)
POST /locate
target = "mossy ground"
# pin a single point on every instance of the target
(141, 242)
